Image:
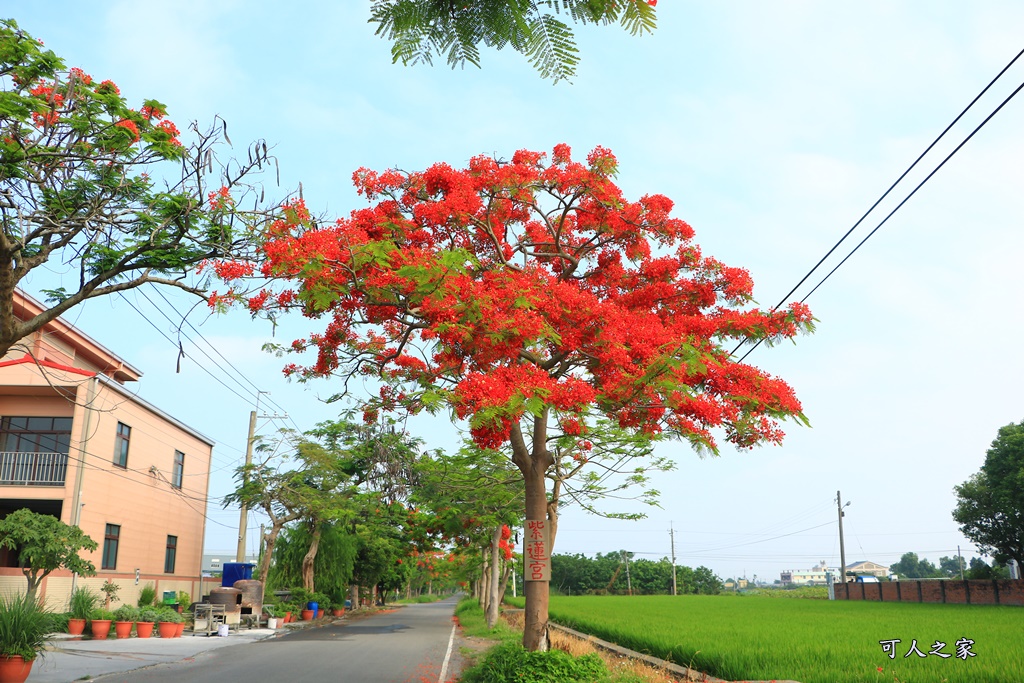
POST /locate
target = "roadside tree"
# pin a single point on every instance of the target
(980, 569)
(104, 191)
(476, 494)
(422, 29)
(44, 544)
(990, 505)
(912, 567)
(278, 494)
(540, 305)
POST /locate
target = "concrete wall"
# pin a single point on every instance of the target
(953, 592)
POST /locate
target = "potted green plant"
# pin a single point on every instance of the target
(109, 589)
(323, 604)
(99, 622)
(146, 623)
(167, 622)
(83, 601)
(124, 619)
(147, 596)
(24, 625)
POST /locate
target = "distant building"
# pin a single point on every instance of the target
(818, 575)
(213, 563)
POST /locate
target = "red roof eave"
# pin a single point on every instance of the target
(47, 364)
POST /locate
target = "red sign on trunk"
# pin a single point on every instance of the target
(535, 550)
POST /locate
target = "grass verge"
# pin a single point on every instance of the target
(569, 661)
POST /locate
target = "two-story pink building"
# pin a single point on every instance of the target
(77, 443)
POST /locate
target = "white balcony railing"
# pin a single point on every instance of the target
(32, 469)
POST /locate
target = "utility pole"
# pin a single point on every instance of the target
(629, 582)
(244, 509)
(672, 535)
(960, 561)
(842, 548)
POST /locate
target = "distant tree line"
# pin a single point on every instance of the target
(912, 567)
(607, 574)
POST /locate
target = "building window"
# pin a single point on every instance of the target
(179, 469)
(111, 538)
(34, 450)
(171, 554)
(124, 433)
(35, 434)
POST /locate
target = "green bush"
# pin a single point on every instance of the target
(147, 596)
(169, 614)
(148, 614)
(24, 625)
(301, 596)
(83, 602)
(57, 622)
(184, 599)
(126, 613)
(509, 662)
(100, 614)
(323, 602)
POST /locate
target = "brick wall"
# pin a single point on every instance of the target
(994, 592)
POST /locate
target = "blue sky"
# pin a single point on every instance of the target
(773, 126)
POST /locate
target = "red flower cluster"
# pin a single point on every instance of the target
(503, 287)
(222, 199)
(130, 127)
(504, 545)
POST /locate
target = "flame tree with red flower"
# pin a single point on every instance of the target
(108, 191)
(533, 300)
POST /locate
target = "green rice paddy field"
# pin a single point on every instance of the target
(813, 641)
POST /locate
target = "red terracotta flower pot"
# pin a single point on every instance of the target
(100, 628)
(307, 615)
(167, 629)
(14, 669)
(123, 629)
(144, 629)
(76, 627)
(180, 628)
(338, 612)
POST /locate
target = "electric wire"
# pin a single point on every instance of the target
(918, 187)
(241, 374)
(199, 365)
(888, 191)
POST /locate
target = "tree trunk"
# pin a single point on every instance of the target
(504, 580)
(493, 582)
(535, 629)
(533, 460)
(33, 582)
(354, 598)
(484, 589)
(269, 541)
(310, 557)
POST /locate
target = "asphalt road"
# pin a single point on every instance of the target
(411, 644)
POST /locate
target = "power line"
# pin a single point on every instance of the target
(889, 190)
(199, 365)
(918, 187)
(185, 319)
